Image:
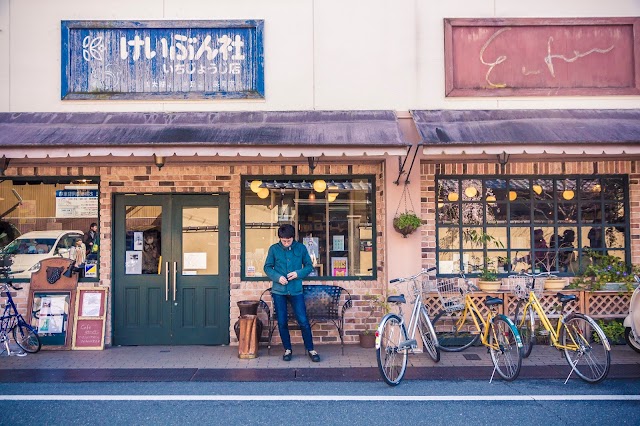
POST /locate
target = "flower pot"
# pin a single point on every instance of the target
(405, 231)
(368, 340)
(554, 284)
(489, 285)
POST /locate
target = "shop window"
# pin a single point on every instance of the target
(44, 217)
(551, 223)
(333, 217)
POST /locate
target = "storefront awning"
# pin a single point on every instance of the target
(565, 132)
(202, 134)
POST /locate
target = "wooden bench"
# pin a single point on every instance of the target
(323, 304)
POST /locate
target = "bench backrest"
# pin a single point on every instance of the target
(322, 301)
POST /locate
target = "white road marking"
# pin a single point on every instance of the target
(363, 398)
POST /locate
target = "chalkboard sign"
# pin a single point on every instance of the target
(90, 318)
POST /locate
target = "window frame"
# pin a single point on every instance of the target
(581, 227)
(374, 233)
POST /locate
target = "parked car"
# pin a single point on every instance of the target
(30, 248)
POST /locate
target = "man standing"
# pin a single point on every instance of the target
(287, 263)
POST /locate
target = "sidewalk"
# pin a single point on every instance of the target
(216, 363)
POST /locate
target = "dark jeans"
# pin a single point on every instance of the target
(300, 311)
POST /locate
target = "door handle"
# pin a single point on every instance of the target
(166, 281)
(175, 283)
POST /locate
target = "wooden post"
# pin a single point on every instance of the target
(248, 341)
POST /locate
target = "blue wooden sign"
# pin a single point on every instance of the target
(162, 59)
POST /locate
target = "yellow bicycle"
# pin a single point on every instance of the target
(460, 324)
(583, 342)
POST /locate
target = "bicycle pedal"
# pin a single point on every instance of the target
(416, 351)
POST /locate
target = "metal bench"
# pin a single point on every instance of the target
(323, 304)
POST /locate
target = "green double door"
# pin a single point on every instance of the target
(171, 269)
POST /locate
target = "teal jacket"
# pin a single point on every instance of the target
(280, 261)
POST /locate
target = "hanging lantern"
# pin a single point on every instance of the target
(312, 196)
(491, 198)
(597, 187)
(263, 193)
(440, 203)
(537, 189)
(453, 197)
(331, 196)
(568, 194)
(513, 195)
(471, 192)
(255, 185)
(319, 185)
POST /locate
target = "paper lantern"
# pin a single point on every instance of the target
(331, 196)
(491, 198)
(453, 197)
(568, 194)
(319, 185)
(471, 192)
(513, 195)
(255, 185)
(263, 193)
(537, 189)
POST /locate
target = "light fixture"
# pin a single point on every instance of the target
(255, 185)
(537, 189)
(312, 196)
(4, 164)
(503, 159)
(313, 162)
(513, 195)
(597, 187)
(263, 193)
(470, 192)
(331, 196)
(319, 185)
(453, 197)
(440, 203)
(491, 198)
(158, 160)
(568, 194)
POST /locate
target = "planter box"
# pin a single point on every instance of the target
(489, 285)
(554, 284)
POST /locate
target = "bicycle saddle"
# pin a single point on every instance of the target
(490, 301)
(396, 299)
(564, 298)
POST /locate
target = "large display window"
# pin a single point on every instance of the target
(333, 217)
(48, 217)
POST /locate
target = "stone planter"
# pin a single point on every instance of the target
(489, 286)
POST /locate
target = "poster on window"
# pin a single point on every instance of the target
(338, 242)
(133, 262)
(339, 266)
(313, 247)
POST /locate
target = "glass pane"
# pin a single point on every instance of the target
(590, 189)
(568, 212)
(567, 257)
(471, 238)
(496, 213)
(520, 213)
(519, 190)
(543, 189)
(520, 238)
(614, 212)
(200, 241)
(474, 261)
(614, 237)
(613, 189)
(543, 212)
(591, 212)
(499, 238)
(448, 190)
(471, 190)
(143, 228)
(446, 263)
(497, 261)
(567, 190)
(472, 214)
(448, 213)
(448, 238)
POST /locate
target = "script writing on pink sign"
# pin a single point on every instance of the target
(542, 57)
(89, 333)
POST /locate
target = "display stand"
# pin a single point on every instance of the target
(90, 318)
(50, 303)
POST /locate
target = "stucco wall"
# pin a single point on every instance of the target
(319, 54)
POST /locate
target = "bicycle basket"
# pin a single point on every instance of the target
(520, 286)
(451, 297)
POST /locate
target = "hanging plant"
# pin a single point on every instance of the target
(406, 222)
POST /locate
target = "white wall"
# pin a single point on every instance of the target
(319, 54)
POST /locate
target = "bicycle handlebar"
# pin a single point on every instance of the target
(539, 274)
(413, 277)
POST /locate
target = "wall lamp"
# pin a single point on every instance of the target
(158, 160)
(313, 162)
(4, 164)
(503, 159)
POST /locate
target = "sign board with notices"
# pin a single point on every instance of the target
(71, 203)
(90, 318)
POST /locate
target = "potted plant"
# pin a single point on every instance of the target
(554, 283)
(606, 272)
(375, 304)
(488, 279)
(406, 223)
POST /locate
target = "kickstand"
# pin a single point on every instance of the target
(573, 367)
(6, 349)
(493, 373)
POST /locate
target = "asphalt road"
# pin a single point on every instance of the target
(472, 402)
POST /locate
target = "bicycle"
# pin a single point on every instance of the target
(575, 334)
(13, 322)
(461, 323)
(395, 338)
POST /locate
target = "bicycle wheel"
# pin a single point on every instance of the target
(429, 339)
(392, 361)
(504, 349)
(586, 353)
(454, 337)
(525, 322)
(26, 337)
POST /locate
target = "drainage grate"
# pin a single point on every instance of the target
(472, 357)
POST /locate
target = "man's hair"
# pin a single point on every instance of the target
(93, 224)
(286, 231)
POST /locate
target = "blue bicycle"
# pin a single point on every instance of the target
(12, 322)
